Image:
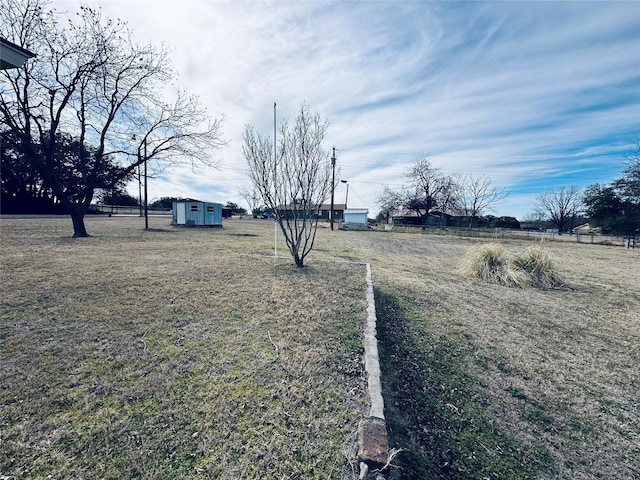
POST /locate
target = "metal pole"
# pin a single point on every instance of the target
(333, 183)
(346, 197)
(146, 180)
(275, 170)
(139, 185)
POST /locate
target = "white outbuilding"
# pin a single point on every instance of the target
(355, 218)
(193, 213)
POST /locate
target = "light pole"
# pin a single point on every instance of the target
(346, 197)
(275, 181)
(333, 183)
(146, 219)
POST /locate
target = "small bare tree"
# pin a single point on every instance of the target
(252, 196)
(478, 194)
(296, 183)
(560, 207)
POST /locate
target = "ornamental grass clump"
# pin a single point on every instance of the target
(488, 262)
(532, 268)
(538, 267)
(484, 261)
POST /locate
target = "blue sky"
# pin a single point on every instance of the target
(535, 95)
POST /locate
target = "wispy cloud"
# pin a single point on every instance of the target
(536, 95)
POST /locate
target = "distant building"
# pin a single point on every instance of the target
(338, 212)
(585, 228)
(402, 216)
(321, 212)
(356, 215)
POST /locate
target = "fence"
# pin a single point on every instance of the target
(505, 233)
(128, 210)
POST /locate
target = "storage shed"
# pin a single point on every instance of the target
(356, 215)
(355, 219)
(195, 213)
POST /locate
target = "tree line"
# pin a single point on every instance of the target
(613, 208)
(430, 197)
(428, 192)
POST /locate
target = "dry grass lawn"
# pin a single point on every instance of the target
(174, 353)
(193, 353)
(487, 381)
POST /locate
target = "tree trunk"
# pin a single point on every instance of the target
(79, 229)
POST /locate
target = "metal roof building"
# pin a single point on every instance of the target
(193, 213)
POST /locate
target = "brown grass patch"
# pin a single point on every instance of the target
(177, 374)
(174, 353)
(555, 370)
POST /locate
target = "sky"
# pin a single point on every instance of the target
(535, 95)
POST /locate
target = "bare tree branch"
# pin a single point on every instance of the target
(427, 188)
(252, 197)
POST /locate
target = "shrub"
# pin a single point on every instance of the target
(532, 268)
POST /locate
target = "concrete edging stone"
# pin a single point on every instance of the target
(373, 446)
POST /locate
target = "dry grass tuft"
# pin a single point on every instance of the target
(539, 269)
(532, 268)
(485, 261)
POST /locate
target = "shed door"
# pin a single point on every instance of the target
(181, 214)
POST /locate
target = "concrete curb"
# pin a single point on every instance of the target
(373, 446)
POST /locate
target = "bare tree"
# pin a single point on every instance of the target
(252, 196)
(426, 188)
(478, 194)
(535, 219)
(91, 81)
(448, 199)
(560, 207)
(300, 181)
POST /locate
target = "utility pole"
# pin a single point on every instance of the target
(139, 184)
(146, 180)
(333, 182)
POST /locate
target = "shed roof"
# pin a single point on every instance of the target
(336, 206)
(356, 210)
